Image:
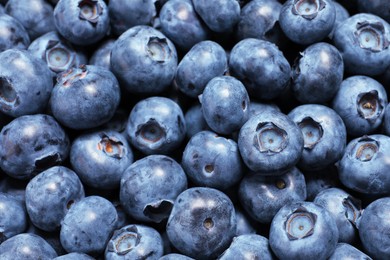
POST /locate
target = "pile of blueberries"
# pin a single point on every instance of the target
(194, 129)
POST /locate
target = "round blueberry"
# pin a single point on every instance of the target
(270, 142)
(346, 251)
(13, 217)
(14, 35)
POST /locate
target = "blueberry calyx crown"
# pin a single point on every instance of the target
(270, 138)
(312, 132)
(158, 211)
(369, 105)
(111, 146)
(90, 10)
(300, 224)
(151, 131)
(58, 57)
(71, 75)
(8, 95)
(308, 9)
(158, 49)
(365, 149)
(371, 36)
(352, 209)
(124, 240)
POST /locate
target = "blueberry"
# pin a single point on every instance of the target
(342, 14)
(259, 19)
(156, 125)
(307, 21)
(13, 217)
(134, 242)
(363, 41)
(270, 143)
(49, 196)
(82, 22)
(25, 83)
(317, 181)
(263, 196)
(303, 230)
(57, 52)
(100, 158)
(36, 16)
(378, 7)
(364, 167)
(202, 223)
(324, 135)
(85, 97)
(361, 103)
(213, 161)
(144, 60)
(182, 24)
(74, 256)
(195, 121)
(374, 229)
(205, 60)
(344, 208)
(102, 55)
(31, 144)
(225, 104)
(345, 251)
(87, 226)
(220, 15)
(26, 246)
(150, 186)
(261, 66)
(317, 74)
(256, 107)
(14, 35)
(250, 246)
(125, 14)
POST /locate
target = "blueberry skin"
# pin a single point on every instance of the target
(345, 210)
(219, 15)
(26, 83)
(31, 144)
(134, 242)
(374, 229)
(262, 196)
(58, 53)
(156, 125)
(195, 121)
(345, 251)
(85, 97)
(250, 246)
(150, 186)
(26, 246)
(125, 14)
(212, 161)
(50, 194)
(342, 14)
(225, 104)
(174, 256)
(262, 68)
(245, 225)
(260, 152)
(324, 135)
(15, 35)
(87, 226)
(363, 41)
(180, 22)
(144, 60)
(36, 16)
(360, 102)
(74, 256)
(82, 22)
(202, 223)
(256, 108)
(258, 20)
(364, 166)
(386, 120)
(306, 22)
(380, 8)
(13, 217)
(205, 60)
(100, 158)
(102, 55)
(317, 74)
(303, 230)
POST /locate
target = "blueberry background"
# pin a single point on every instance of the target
(132, 150)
